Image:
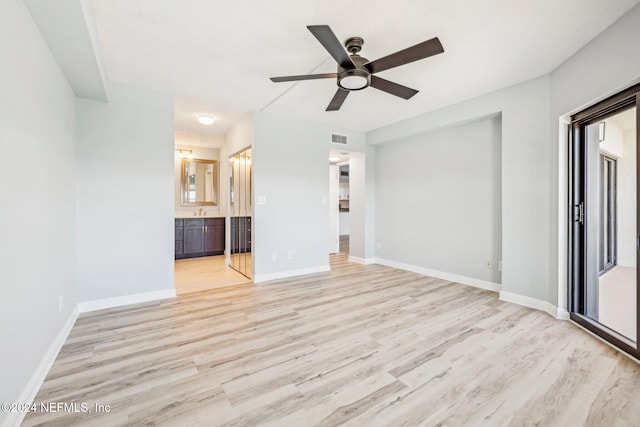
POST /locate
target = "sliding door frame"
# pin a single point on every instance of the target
(578, 257)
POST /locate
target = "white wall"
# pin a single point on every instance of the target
(357, 205)
(612, 144)
(603, 67)
(627, 201)
(438, 201)
(290, 170)
(343, 226)
(197, 153)
(125, 204)
(525, 170)
(37, 175)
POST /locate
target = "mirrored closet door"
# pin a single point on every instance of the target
(240, 206)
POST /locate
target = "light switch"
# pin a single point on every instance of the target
(261, 200)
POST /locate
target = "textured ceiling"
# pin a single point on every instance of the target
(217, 56)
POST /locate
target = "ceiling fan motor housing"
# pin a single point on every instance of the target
(355, 78)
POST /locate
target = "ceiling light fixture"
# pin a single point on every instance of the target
(185, 153)
(354, 79)
(333, 158)
(206, 120)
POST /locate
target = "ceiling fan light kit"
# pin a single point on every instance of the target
(356, 73)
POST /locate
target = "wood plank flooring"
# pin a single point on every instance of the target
(203, 274)
(359, 346)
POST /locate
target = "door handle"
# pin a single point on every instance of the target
(580, 213)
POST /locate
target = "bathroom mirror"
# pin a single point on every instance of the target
(199, 182)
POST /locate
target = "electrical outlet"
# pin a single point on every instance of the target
(290, 254)
(488, 264)
(60, 304)
(499, 265)
(274, 256)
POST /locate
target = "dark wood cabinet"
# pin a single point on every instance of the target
(193, 240)
(197, 237)
(179, 228)
(214, 235)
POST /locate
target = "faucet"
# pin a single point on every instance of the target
(200, 212)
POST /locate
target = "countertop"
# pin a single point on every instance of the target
(186, 215)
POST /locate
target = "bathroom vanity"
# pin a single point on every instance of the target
(198, 237)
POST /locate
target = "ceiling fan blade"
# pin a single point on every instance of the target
(392, 88)
(414, 53)
(337, 100)
(328, 39)
(304, 77)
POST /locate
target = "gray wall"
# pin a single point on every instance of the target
(125, 204)
(438, 200)
(525, 175)
(37, 178)
(290, 170)
(534, 151)
(603, 67)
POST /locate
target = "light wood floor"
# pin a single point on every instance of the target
(202, 274)
(359, 346)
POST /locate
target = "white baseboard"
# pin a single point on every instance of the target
(30, 391)
(101, 304)
(37, 378)
(364, 261)
(482, 284)
(534, 303)
(259, 278)
(562, 314)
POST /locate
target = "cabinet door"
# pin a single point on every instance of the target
(178, 238)
(193, 240)
(214, 239)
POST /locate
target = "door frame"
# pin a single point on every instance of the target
(576, 248)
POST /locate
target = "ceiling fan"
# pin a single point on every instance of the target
(357, 73)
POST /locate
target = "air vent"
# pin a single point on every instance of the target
(338, 139)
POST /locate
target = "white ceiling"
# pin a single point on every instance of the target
(66, 28)
(217, 56)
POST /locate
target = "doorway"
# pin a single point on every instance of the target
(604, 229)
(339, 191)
(200, 257)
(240, 212)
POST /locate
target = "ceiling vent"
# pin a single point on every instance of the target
(338, 139)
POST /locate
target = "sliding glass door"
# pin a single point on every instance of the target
(604, 227)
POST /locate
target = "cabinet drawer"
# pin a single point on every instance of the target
(179, 222)
(193, 222)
